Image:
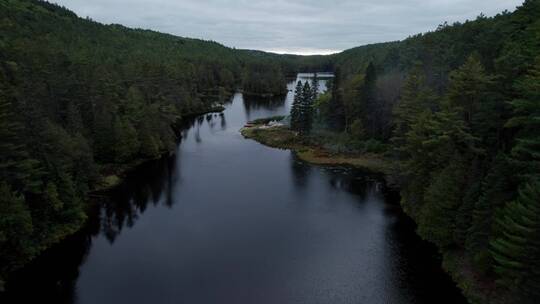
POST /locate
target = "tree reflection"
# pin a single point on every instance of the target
(271, 104)
(352, 180)
(52, 276)
(148, 184)
(300, 171)
(223, 121)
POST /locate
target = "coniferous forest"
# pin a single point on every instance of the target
(457, 110)
(80, 100)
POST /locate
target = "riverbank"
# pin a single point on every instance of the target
(283, 138)
(474, 287)
(113, 175)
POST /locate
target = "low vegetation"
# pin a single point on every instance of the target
(311, 150)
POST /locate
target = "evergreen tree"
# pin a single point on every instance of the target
(126, 143)
(16, 166)
(104, 139)
(149, 145)
(468, 88)
(415, 99)
(517, 248)
(526, 151)
(497, 188)
(15, 229)
(370, 108)
(336, 117)
(437, 221)
(315, 86)
(297, 107)
(306, 110)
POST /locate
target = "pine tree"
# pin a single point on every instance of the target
(126, 143)
(434, 140)
(315, 86)
(517, 248)
(437, 222)
(497, 188)
(306, 110)
(149, 146)
(468, 88)
(16, 166)
(336, 115)
(415, 99)
(370, 108)
(15, 229)
(526, 151)
(296, 107)
(104, 140)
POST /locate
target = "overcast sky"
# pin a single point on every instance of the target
(292, 26)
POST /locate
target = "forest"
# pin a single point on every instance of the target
(80, 100)
(457, 109)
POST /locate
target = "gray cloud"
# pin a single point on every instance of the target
(297, 26)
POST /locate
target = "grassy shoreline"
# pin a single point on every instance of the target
(283, 138)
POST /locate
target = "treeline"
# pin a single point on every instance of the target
(457, 108)
(79, 100)
(460, 110)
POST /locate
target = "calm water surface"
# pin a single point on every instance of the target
(227, 220)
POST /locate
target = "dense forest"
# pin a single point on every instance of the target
(458, 109)
(80, 101)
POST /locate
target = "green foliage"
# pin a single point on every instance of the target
(126, 141)
(306, 109)
(357, 129)
(302, 111)
(336, 119)
(526, 152)
(296, 107)
(369, 104)
(69, 108)
(416, 97)
(16, 166)
(442, 199)
(517, 248)
(468, 86)
(77, 98)
(497, 188)
(15, 228)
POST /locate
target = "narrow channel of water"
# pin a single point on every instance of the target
(227, 220)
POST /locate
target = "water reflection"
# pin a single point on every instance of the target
(255, 104)
(223, 121)
(229, 220)
(300, 172)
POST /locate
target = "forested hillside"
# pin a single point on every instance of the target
(459, 110)
(80, 100)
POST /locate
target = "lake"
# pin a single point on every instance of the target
(228, 220)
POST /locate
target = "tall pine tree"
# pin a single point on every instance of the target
(306, 112)
(517, 248)
(296, 107)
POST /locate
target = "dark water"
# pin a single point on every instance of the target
(228, 220)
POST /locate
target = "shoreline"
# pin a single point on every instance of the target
(111, 176)
(473, 287)
(118, 172)
(282, 138)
